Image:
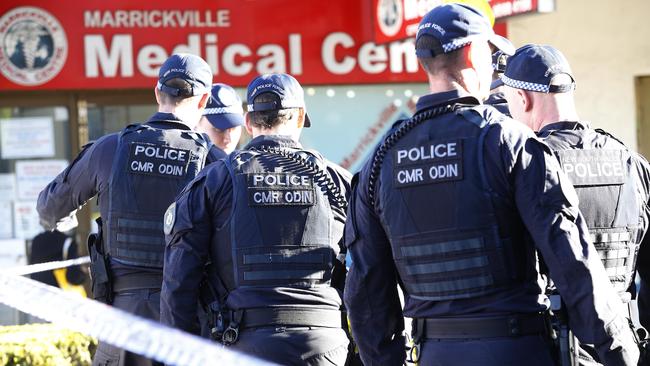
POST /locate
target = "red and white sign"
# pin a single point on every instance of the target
(121, 43)
(399, 19)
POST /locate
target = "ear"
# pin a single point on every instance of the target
(249, 127)
(203, 102)
(526, 99)
(468, 53)
(156, 93)
(301, 118)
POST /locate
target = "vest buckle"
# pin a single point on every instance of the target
(230, 335)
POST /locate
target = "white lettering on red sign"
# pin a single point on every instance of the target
(219, 18)
(372, 58)
(115, 56)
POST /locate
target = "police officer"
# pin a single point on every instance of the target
(269, 218)
(136, 174)
(223, 118)
(611, 180)
(444, 209)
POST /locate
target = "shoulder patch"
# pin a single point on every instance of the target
(170, 218)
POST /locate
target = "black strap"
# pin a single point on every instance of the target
(506, 326)
(291, 316)
(136, 282)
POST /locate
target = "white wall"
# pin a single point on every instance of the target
(608, 45)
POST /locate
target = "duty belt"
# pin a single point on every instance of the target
(505, 326)
(136, 282)
(291, 316)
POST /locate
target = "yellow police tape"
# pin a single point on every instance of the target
(116, 327)
(61, 278)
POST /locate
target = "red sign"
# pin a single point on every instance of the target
(399, 19)
(97, 44)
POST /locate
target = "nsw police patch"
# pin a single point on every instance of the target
(170, 218)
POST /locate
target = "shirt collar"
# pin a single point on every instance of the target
(562, 125)
(448, 97)
(273, 141)
(169, 120)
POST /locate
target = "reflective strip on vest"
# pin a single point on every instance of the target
(448, 266)
(140, 239)
(450, 289)
(306, 274)
(139, 224)
(136, 254)
(279, 258)
(443, 247)
(610, 237)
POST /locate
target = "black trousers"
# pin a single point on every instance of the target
(533, 350)
(295, 346)
(141, 302)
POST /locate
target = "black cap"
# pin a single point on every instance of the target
(193, 69)
(533, 67)
(456, 26)
(224, 109)
(285, 86)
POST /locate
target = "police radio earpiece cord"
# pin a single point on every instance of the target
(391, 140)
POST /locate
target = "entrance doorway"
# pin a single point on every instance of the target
(40, 133)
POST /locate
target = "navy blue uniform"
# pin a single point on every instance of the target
(498, 101)
(90, 174)
(271, 245)
(462, 203)
(613, 186)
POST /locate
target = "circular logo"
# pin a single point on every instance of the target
(33, 46)
(389, 16)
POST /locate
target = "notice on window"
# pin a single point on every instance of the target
(7, 187)
(12, 253)
(27, 137)
(6, 220)
(26, 222)
(33, 175)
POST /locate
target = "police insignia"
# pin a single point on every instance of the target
(162, 161)
(170, 218)
(434, 162)
(280, 189)
(593, 167)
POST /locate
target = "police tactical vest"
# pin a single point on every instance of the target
(281, 231)
(151, 167)
(601, 170)
(438, 212)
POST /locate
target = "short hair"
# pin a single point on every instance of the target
(447, 64)
(561, 79)
(185, 92)
(271, 118)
